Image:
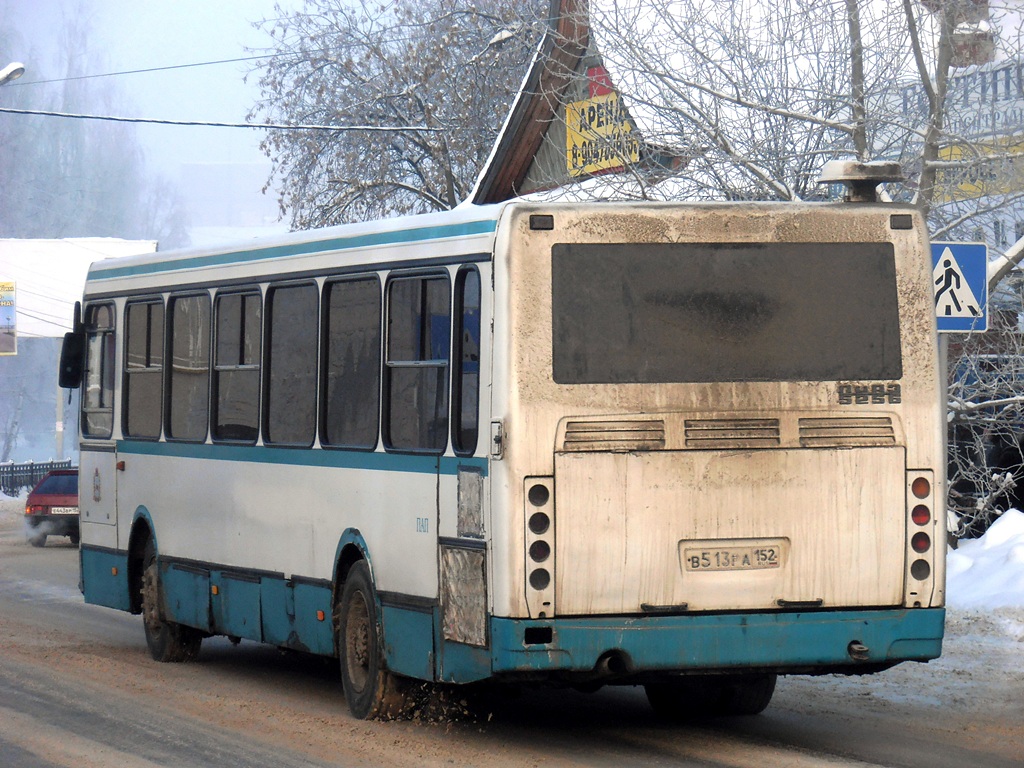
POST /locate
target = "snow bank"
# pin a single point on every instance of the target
(989, 572)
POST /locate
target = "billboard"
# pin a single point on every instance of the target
(600, 136)
(995, 167)
(8, 319)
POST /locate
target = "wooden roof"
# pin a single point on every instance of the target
(537, 106)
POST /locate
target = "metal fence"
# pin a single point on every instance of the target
(14, 477)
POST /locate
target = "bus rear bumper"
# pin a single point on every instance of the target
(811, 642)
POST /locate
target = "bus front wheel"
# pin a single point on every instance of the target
(370, 690)
(167, 640)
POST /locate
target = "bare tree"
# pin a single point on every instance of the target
(443, 72)
(758, 94)
(986, 416)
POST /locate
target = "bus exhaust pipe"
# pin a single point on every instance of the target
(611, 664)
(858, 651)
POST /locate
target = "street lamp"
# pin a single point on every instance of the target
(12, 71)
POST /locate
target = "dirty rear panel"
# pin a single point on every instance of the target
(724, 406)
(653, 531)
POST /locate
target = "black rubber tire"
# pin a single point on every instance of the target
(371, 691)
(748, 694)
(684, 698)
(167, 640)
(700, 696)
(74, 538)
(37, 539)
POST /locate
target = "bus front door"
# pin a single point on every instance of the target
(104, 565)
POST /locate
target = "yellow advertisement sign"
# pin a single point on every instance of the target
(8, 320)
(599, 136)
(992, 168)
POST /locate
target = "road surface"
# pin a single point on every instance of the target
(78, 689)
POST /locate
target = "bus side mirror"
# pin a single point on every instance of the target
(72, 354)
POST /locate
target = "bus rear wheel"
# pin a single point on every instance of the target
(687, 698)
(167, 640)
(372, 692)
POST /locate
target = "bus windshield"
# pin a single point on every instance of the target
(714, 312)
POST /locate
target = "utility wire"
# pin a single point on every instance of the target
(45, 296)
(39, 314)
(142, 71)
(65, 324)
(267, 126)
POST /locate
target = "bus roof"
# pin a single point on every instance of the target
(461, 222)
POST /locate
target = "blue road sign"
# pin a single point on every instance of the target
(960, 278)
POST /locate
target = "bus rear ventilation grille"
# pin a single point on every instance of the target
(732, 433)
(844, 432)
(632, 435)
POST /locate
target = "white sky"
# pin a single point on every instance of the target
(141, 34)
(49, 276)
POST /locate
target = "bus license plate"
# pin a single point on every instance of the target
(755, 556)
(63, 510)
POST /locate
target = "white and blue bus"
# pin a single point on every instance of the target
(684, 446)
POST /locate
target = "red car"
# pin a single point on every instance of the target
(52, 507)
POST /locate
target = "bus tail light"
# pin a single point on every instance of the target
(920, 570)
(539, 541)
(920, 532)
(921, 487)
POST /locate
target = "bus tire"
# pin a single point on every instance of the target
(167, 640)
(748, 694)
(372, 692)
(679, 699)
(701, 696)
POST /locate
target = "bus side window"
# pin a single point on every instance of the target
(289, 398)
(466, 394)
(351, 367)
(416, 374)
(143, 368)
(189, 383)
(98, 394)
(236, 370)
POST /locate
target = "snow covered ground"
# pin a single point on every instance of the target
(989, 572)
(985, 600)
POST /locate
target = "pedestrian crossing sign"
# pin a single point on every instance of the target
(960, 281)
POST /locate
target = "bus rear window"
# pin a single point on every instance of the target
(708, 312)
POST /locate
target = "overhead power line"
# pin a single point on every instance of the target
(143, 71)
(62, 324)
(48, 297)
(266, 126)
